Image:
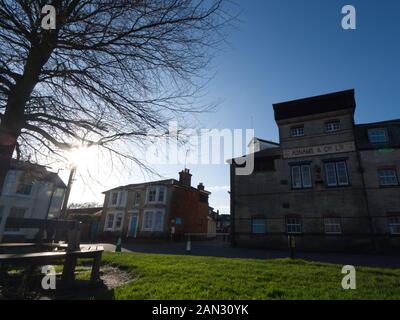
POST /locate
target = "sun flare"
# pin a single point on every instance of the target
(84, 158)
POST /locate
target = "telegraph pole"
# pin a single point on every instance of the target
(67, 192)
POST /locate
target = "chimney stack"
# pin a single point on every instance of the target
(185, 178)
(200, 186)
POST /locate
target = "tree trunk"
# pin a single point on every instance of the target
(13, 119)
(8, 140)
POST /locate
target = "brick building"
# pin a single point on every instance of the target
(331, 183)
(156, 209)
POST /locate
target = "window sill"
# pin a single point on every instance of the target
(389, 186)
(17, 195)
(13, 233)
(151, 203)
(112, 229)
(333, 187)
(116, 207)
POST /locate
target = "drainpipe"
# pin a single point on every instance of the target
(232, 194)
(365, 193)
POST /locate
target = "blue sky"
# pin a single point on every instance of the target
(283, 50)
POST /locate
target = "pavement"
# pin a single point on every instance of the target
(216, 248)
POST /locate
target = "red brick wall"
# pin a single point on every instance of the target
(186, 205)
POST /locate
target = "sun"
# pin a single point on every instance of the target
(84, 158)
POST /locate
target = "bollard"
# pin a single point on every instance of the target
(118, 245)
(292, 245)
(188, 246)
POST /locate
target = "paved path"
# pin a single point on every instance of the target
(223, 249)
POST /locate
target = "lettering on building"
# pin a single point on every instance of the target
(319, 150)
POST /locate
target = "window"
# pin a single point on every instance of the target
(118, 199)
(114, 198)
(332, 226)
(297, 131)
(153, 220)
(301, 176)
(156, 194)
(332, 126)
(158, 221)
(136, 199)
(114, 221)
(293, 225)
(394, 225)
(15, 213)
(152, 194)
(378, 135)
(161, 193)
(118, 222)
(258, 226)
(336, 174)
(110, 221)
(24, 187)
(388, 177)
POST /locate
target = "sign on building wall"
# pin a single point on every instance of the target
(319, 150)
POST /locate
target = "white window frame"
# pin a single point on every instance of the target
(332, 126)
(387, 177)
(297, 223)
(156, 197)
(336, 170)
(137, 194)
(394, 222)
(115, 214)
(153, 227)
(301, 168)
(332, 225)
(121, 199)
(20, 181)
(297, 131)
(377, 133)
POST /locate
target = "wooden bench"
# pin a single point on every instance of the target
(69, 257)
(23, 246)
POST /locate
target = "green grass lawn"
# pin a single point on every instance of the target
(158, 276)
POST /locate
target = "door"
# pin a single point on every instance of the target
(133, 226)
(94, 230)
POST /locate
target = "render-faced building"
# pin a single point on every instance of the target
(29, 191)
(156, 209)
(331, 183)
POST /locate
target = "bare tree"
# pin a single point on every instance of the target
(110, 71)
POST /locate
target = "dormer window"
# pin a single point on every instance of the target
(332, 126)
(378, 135)
(297, 131)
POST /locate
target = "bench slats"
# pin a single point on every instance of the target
(43, 257)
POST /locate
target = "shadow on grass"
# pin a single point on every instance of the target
(23, 286)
